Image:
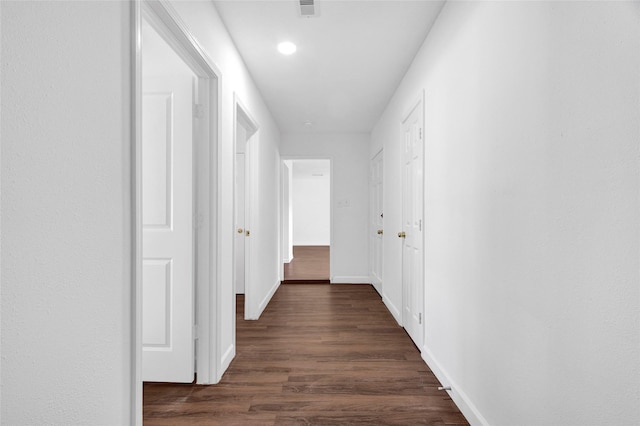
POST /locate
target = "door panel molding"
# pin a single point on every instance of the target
(412, 232)
(168, 189)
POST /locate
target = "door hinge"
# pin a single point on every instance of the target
(198, 111)
(420, 318)
(196, 336)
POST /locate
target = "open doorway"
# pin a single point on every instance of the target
(245, 139)
(175, 218)
(307, 221)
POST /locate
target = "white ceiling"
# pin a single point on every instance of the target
(349, 61)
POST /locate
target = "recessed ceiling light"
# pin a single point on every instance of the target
(286, 48)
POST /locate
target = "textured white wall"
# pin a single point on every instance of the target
(65, 213)
(350, 169)
(202, 19)
(532, 231)
(311, 210)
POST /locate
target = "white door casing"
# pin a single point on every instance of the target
(376, 219)
(412, 223)
(167, 220)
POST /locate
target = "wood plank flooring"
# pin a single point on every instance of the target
(319, 355)
(310, 264)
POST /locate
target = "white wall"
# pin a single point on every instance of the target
(350, 165)
(311, 204)
(66, 271)
(532, 184)
(66, 245)
(202, 19)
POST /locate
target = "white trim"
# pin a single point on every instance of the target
(287, 260)
(392, 308)
(351, 279)
(225, 361)
(265, 301)
(136, 214)
(462, 401)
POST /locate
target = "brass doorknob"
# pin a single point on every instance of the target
(402, 234)
(379, 231)
(240, 230)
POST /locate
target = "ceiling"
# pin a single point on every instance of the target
(349, 61)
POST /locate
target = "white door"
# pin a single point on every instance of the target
(248, 185)
(245, 134)
(412, 226)
(167, 240)
(240, 225)
(376, 221)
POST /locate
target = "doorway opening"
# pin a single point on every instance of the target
(174, 208)
(306, 221)
(245, 140)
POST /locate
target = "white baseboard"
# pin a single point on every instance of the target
(287, 260)
(392, 308)
(346, 279)
(227, 357)
(466, 406)
(267, 299)
(376, 285)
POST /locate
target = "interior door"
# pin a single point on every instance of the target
(412, 226)
(240, 223)
(248, 185)
(376, 218)
(167, 216)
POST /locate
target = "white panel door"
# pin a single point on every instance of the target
(412, 226)
(240, 225)
(167, 240)
(376, 218)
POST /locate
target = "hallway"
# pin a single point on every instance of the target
(522, 262)
(328, 354)
(310, 265)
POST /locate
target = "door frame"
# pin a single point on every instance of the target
(418, 102)
(163, 17)
(284, 158)
(242, 116)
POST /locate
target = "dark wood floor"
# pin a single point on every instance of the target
(319, 355)
(310, 264)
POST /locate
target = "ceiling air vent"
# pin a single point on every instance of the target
(307, 8)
